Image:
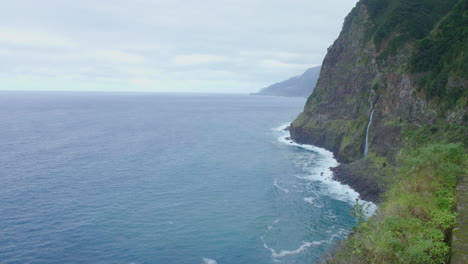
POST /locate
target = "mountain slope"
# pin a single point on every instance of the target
(299, 86)
(370, 66)
(390, 102)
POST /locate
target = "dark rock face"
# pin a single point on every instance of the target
(364, 177)
(352, 82)
(355, 79)
(336, 114)
(298, 86)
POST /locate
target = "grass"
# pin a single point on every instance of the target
(416, 137)
(414, 222)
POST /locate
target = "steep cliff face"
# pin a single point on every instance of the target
(397, 75)
(374, 65)
(336, 114)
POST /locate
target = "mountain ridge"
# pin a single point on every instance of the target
(298, 86)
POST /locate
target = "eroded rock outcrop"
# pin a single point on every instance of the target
(374, 65)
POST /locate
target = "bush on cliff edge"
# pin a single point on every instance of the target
(414, 222)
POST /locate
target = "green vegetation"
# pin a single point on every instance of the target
(345, 136)
(350, 17)
(438, 29)
(416, 217)
(443, 56)
(414, 222)
(423, 152)
(416, 137)
(397, 21)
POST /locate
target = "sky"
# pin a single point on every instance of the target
(208, 46)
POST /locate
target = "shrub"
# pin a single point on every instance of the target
(414, 222)
(442, 56)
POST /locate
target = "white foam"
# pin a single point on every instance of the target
(275, 183)
(321, 171)
(312, 201)
(209, 261)
(283, 253)
(305, 244)
(270, 227)
(282, 128)
(341, 232)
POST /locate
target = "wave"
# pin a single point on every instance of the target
(283, 253)
(335, 235)
(282, 128)
(315, 165)
(270, 227)
(275, 183)
(318, 168)
(312, 201)
(209, 261)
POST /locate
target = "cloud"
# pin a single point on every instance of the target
(143, 82)
(30, 38)
(5, 52)
(120, 56)
(197, 59)
(284, 55)
(279, 64)
(241, 47)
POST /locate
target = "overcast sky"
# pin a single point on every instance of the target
(225, 46)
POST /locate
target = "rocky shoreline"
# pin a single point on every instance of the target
(352, 175)
(359, 175)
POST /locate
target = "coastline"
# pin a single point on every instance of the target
(339, 175)
(359, 175)
(352, 175)
(317, 164)
(347, 175)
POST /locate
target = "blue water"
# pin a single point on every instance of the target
(162, 178)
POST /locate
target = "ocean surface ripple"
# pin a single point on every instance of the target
(163, 178)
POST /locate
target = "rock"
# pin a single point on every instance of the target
(353, 80)
(362, 177)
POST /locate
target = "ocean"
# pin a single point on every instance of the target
(137, 178)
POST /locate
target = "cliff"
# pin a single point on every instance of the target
(298, 86)
(378, 63)
(390, 101)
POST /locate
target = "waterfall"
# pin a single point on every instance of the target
(366, 146)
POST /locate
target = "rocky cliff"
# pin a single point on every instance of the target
(391, 103)
(404, 60)
(298, 86)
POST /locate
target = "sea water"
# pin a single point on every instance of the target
(163, 178)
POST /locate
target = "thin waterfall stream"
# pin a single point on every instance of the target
(366, 146)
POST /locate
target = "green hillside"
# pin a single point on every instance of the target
(407, 63)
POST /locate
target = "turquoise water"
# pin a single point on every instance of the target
(162, 178)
